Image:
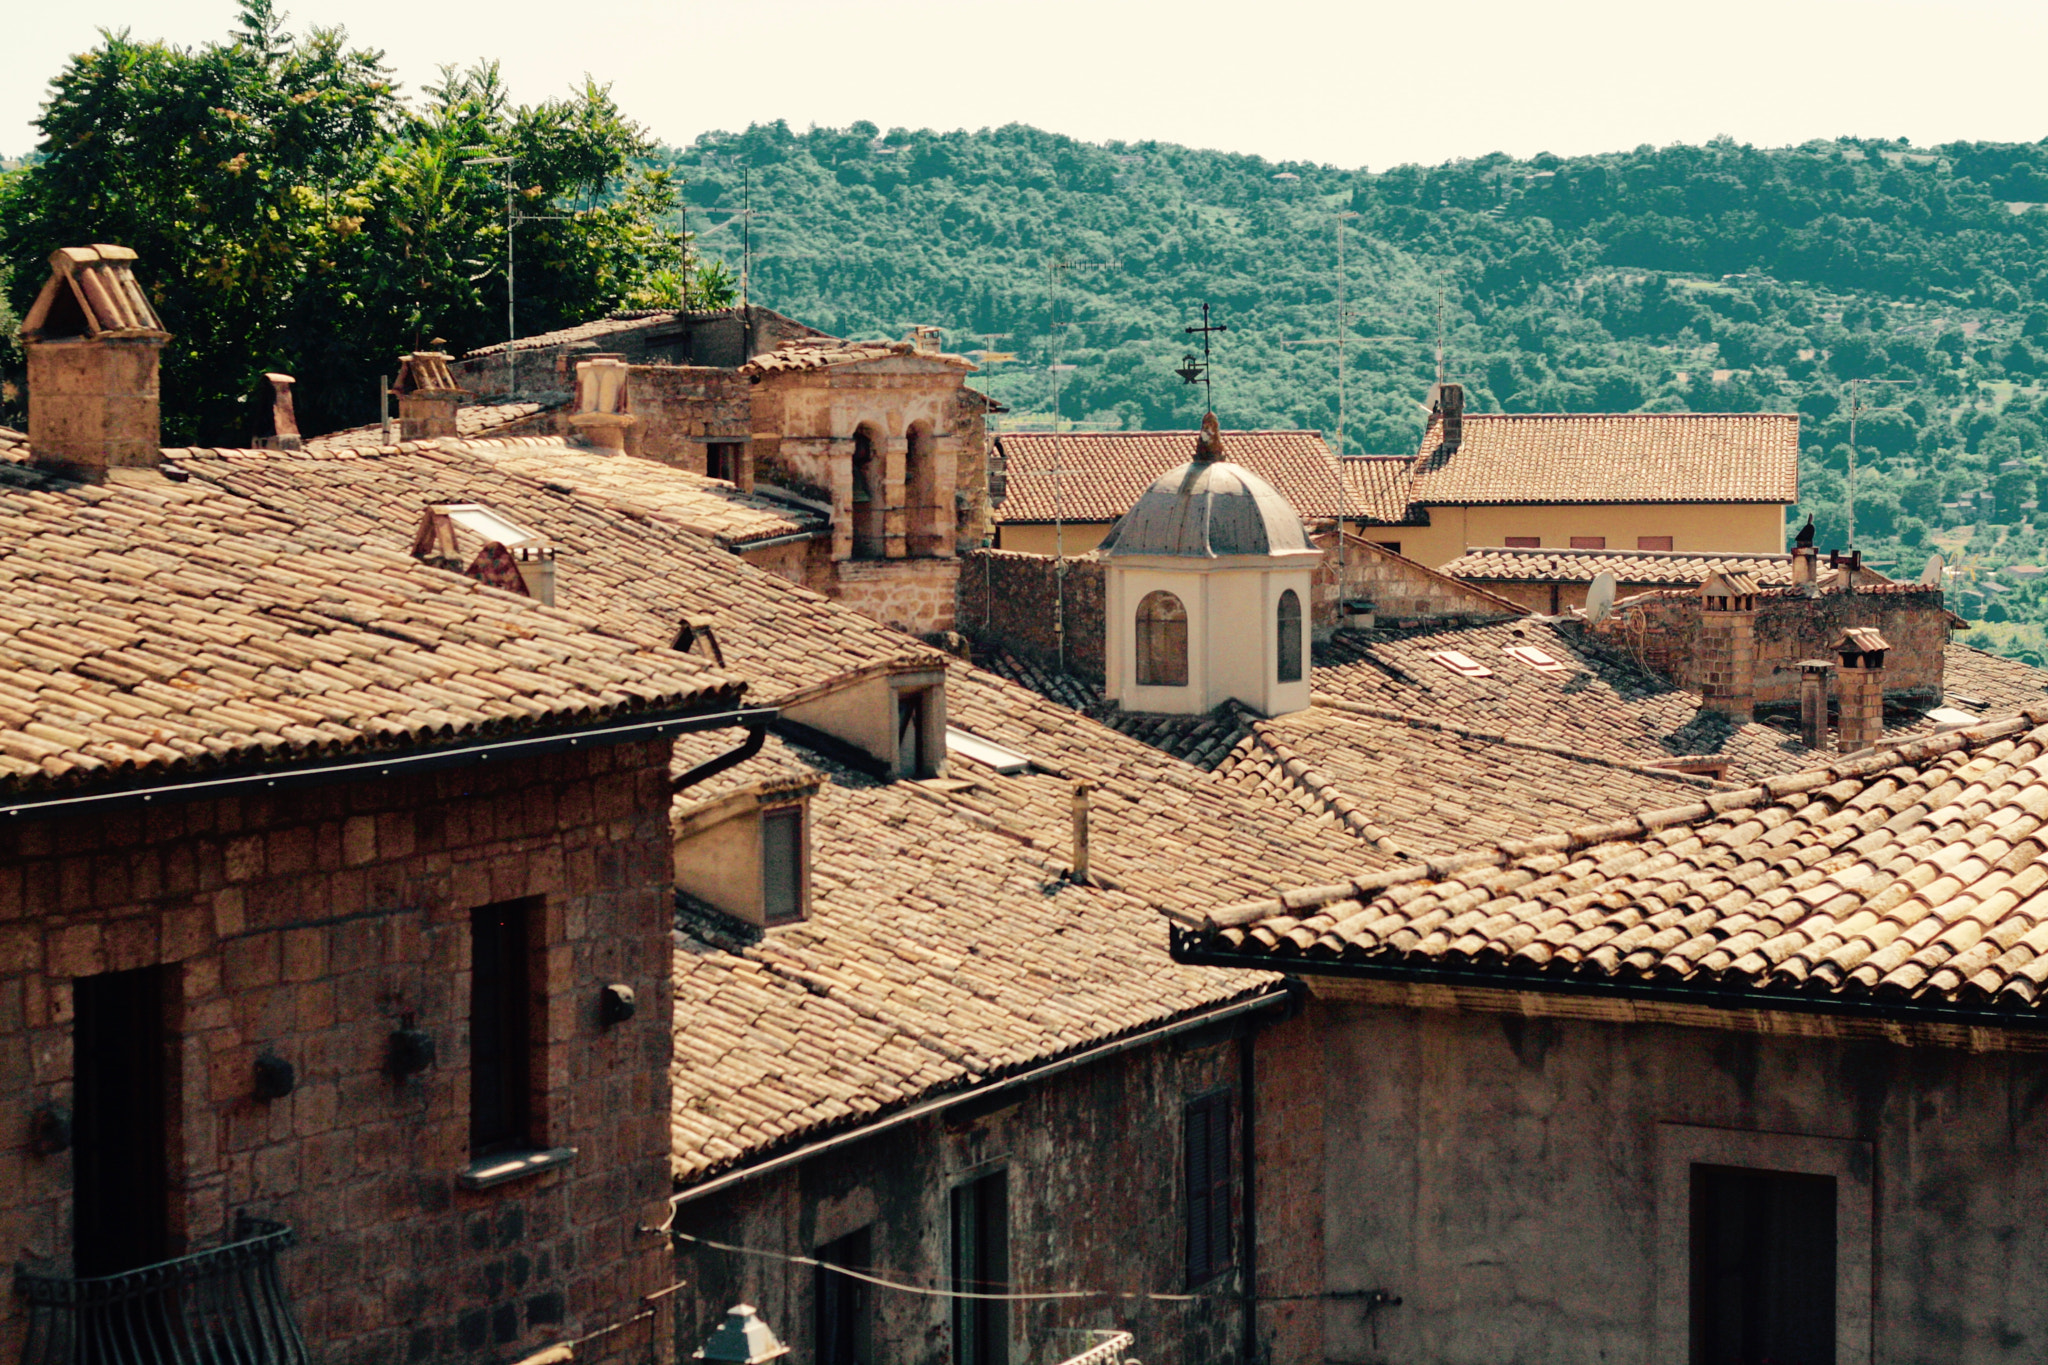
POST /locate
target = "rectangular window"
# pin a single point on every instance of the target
(782, 864)
(1525, 542)
(1763, 1267)
(1207, 1176)
(981, 1265)
(1653, 542)
(120, 1121)
(500, 1028)
(722, 460)
(1589, 542)
(1393, 545)
(845, 1321)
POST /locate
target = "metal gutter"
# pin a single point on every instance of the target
(389, 765)
(740, 547)
(1731, 1001)
(1278, 995)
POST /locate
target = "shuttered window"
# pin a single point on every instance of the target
(981, 1265)
(782, 864)
(1208, 1187)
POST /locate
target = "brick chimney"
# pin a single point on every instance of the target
(1806, 570)
(1724, 664)
(93, 344)
(284, 421)
(1813, 702)
(1450, 406)
(427, 397)
(1861, 722)
(601, 418)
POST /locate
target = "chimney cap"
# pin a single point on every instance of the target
(1861, 640)
(91, 293)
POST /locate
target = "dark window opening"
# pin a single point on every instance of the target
(500, 1028)
(120, 1121)
(915, 756)
(844, 1305)
(782, 864)
(1525, 542)
(981, 1265)
(1763, 1267)
(722, 460)
(1162, 641)
(1207, 1177)
(870, 500)
(1393, 545)
(1290, 636)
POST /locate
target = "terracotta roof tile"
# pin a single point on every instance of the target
(820, 355)
(1633, 457)
(688, 501)
(1102, 473)
(1379, 488)
(1644, 568)
(472, 421)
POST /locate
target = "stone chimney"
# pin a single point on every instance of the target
(1861, 722)
(1813, 702)
(427, 397)
(1450, 406)
(1805, 570)
(93, 344)
(601, 418)
(1724, 664)
(284, 421)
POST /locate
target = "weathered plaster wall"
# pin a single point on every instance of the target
(313, 923)
(1758, 528)
(1094, 1163)
(1011, 599)
(1512, 1180)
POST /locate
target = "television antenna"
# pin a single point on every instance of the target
(1855, 410)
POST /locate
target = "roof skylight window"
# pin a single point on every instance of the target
(480, 520)
(972, 747)
(1534, 657)
(1461, 663)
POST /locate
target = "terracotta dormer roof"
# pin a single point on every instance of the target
(91, 292)
(1630, 457)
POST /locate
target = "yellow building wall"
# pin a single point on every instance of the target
(1036, 538)
(1750, 528)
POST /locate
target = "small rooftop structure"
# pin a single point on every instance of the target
(1208, 508)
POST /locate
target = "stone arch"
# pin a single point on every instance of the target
(870, 495)
(924, 524)
(1162, 641)
(1287, 619)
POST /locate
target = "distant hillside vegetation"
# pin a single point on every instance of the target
(1715, 278)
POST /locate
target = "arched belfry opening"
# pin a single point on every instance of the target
(924, 527)
(870, 497)
(1208, 578)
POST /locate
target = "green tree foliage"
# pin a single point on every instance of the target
(294, 213)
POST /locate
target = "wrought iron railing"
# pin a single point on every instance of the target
(222, 1306)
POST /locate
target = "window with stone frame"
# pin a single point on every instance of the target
(783, 864)
(1162, 641)
(1288, 623)
(1763, 1267)
(981, 1265)
(1205, 1174)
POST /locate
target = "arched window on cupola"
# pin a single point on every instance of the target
(1162, 641)
(1289, 619)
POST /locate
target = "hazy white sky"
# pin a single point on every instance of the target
(1361, 83)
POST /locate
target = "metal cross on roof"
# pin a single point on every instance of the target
(1191, 369)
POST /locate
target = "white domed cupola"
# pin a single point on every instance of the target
(1208, 593)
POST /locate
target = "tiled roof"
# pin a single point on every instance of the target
(1909, 877)
(1102, 473)
(1378, 486)
(92, 291)
(149, 627)
(641, 487)
(1975, 680)
(639, 575)
(13, 446)
(472, 420)
(807, 355)
(1648, 568)
(1633, 457)
(1600, 703)
(626, 320)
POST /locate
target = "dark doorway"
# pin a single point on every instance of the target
(1763, 1267)
(981, 1265)
(121, 1121)
(845, 1324)
(910, 756)
(870, 500)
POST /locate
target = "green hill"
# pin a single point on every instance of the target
(1714, 278)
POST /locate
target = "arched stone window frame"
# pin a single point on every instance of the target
(869, 495)
(1288, 641)
(1162, 640)
(923, 503)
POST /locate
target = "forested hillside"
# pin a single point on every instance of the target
(1714, 278)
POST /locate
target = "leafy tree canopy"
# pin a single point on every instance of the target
(294, 212)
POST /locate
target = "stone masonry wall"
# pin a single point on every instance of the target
(1399, 589)
(312, 923)
(1094, 1161)
(682, 408)
(917, 595)
(1009, 598)
(1662, 631)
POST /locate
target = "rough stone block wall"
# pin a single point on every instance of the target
(1010, 598)
(1724, 665)
(1289, 1180)
(1662, 631)
(970, 425)
(1399, 588)
(1095, 1169)
(917, 595)
(681, 408)
(312, 923)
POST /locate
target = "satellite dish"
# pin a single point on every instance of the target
(1930, 577)
(1599, 598)
(1429, 399)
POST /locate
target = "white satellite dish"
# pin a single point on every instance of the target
(1429, 399)
(1599, 598)
(1930, 577)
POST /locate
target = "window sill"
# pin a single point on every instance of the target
(487, 1172)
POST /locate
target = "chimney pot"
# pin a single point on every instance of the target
(1450, 406)
(1081, 790)
(94, 345)
(428, 397)
(1724, 662)
(603, 417)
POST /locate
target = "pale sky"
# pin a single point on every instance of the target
(1360, 83)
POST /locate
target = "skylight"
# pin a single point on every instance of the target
(1535, 658)
(481, 520)
(1461, 663)
(1006, 761)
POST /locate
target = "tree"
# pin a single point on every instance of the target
(292, 213)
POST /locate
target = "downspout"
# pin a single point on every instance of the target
(757, 732)
(1248, 1113)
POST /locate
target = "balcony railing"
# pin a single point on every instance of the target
(222, 1306)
